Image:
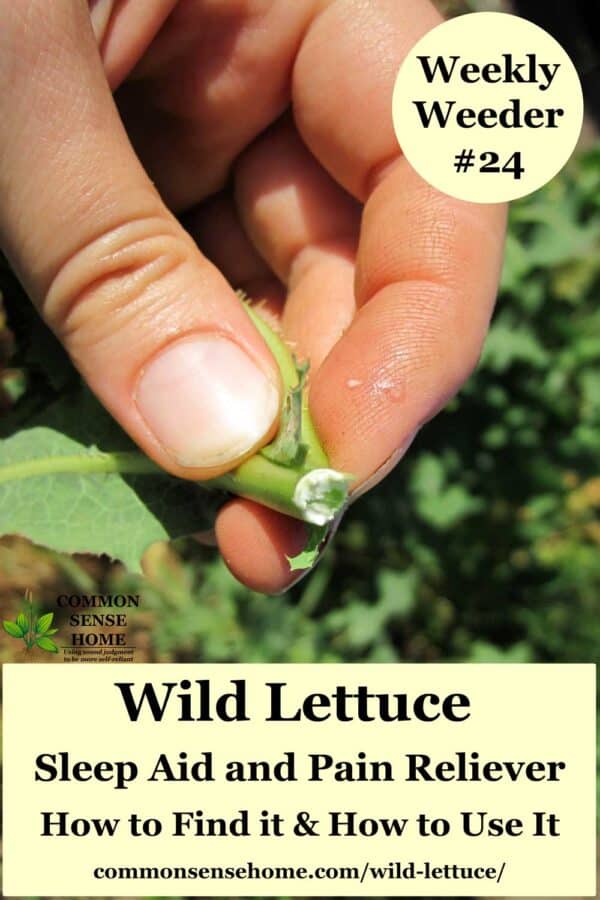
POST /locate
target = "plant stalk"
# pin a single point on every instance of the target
(257, 478)
(306, 490)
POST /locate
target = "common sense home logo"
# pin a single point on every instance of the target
(32, 627)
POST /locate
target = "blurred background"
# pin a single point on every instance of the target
(484, 545)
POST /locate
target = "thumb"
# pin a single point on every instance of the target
(153, 327)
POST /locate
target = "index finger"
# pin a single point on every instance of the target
(427, 264)
(427, 275)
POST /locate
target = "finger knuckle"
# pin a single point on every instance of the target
(107, 279)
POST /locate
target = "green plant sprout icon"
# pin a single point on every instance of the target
(33, 630)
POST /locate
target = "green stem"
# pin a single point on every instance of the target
(80, 464)
(309, 491)
(257, 478)
(30, 642)
(316, 457)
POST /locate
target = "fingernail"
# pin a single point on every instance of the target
(206, 401)
(383, 470)
(100, 13)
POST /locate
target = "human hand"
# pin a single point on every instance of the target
(385, 284)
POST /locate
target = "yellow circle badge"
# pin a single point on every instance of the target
(487, 107)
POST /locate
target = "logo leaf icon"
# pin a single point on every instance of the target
(43, 623)
(45, 643)
(23, 623)
(13, 629)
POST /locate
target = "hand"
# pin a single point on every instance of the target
(385, 284)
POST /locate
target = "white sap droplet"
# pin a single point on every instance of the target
(312, 495)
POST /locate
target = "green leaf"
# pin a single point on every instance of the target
(44, 622)
(508, 345)
(13, 629)
(449, 507)
(51, 631)
(428, 475)
(288, 449)
(517, 264)
(13, 385)
(81, 511)
(484, 652)
(23, 622)
(397, 592)
(308, 557)
(45, 643)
